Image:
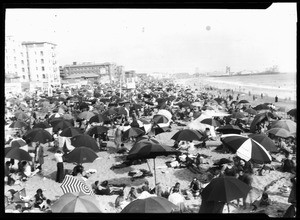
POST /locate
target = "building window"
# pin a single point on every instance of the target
(23, 69)
(23, 77)
(22, 61)
(43, 68)
(42, 61)
(42, 53)
(22, 54)
(35, 61)
(44, 76)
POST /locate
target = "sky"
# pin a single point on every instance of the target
(165, 40)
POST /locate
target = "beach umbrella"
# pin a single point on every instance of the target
(132, 132)
(229, 129)
(121, 111)
(38, 135)
(97, 130)
(99, 118)
(18, 154)
(60, 124)
(288, 125)
(148, 149)
(76, 202)
(70, 132)
(261, 107)
(187, 135)
(153, 204)
(160, 119)
(238, 115)
(243, 101)
(292, 112)
(280, 132)
(225, 189)
(21, 116)
(257, 119)
(86, 115)
(84, 140)
(251, 111)
(211, 121)
(81, 155)
(42, 124)
(110, 111)
(17, 143)
(247, 148)
(265, 141)
(18, 124)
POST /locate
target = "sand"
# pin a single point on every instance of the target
(166, 176)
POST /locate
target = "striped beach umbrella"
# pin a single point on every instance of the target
(76, 202)
(71, 184)
(247, 148)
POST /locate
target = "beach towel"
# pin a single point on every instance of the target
(71, 184)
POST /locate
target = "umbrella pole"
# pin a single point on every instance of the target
(148, 165)
(154, 171)
(228, 208)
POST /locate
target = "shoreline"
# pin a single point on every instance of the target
(268, 98)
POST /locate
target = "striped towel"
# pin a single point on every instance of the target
(71, 184)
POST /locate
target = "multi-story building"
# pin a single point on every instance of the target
(16, 68)
(42, 62)
(31, 62)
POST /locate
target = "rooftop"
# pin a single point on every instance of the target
(34, 42)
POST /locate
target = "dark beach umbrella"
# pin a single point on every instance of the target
(247, 148)
(243, 101)
(83, 105)
(110, 111)
(292, 112)
(160, 119)
(18, 124)
(251, 111)
(18, 154)
(132, 132)
(38, 135)
(60, 124)
(155, 204)
(261, 107)
(280, 132)
(42, 124)
(187, 135)
(17, 143)
(265, 141)
(84, 140)
(238, 115)
(70, 132)
(81, 155)
(225, 189)
(157, 130)
(97, 130)
(229, 129)
(86, 115)
(288, 125)
(76, 202)
(211, 121)
(257, 119)
(99, 118)
(121, 111)
(149, 149)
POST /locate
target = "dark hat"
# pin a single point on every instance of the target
(12, 191)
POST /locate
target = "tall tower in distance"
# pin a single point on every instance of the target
(228, 70)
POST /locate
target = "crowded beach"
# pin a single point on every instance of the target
(177, 147)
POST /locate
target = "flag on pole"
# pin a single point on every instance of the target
(71, 184)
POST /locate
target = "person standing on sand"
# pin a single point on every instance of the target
(39, 155)
(276, 98)
(60, 166)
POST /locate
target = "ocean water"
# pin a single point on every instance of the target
(284, 85)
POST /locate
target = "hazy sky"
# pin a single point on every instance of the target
(165, 40)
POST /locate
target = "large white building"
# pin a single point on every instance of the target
(33, 62)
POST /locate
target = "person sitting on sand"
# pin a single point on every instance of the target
(175, 189)
(106, 189)
(288, 164)
(132, 195)
(183, 145)
(38, 199)
(120, 201)
(263, 202)
(195, 187)
(207, 136)
(146, 187)
(229, 169)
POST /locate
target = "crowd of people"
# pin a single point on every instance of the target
(126, 109)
